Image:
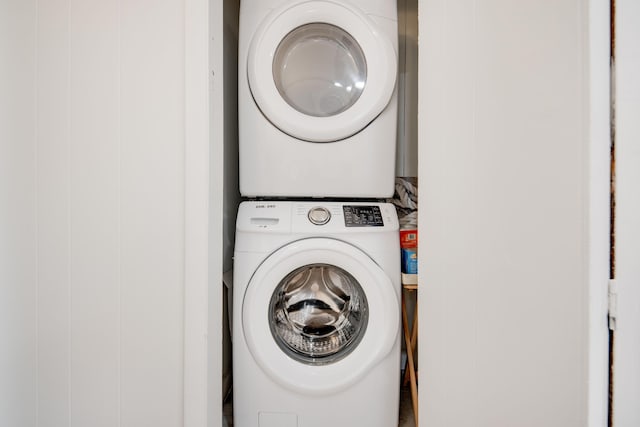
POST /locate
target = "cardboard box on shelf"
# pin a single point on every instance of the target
(409, 250)
(409, 258)
(409, 238)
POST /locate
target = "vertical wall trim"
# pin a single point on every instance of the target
(215, 122)
(69, 213)
(597, 185)
(626, 384)
(119, 218)
(196, 361)
(37, 209)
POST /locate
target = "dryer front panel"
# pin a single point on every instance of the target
(318, 314)
(320, 71)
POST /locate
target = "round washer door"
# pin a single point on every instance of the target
(318, 314)
(320, 71)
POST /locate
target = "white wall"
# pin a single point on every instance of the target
(514, 251)
(18, 225)
(93, 213)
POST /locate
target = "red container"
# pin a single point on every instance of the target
(409, 238)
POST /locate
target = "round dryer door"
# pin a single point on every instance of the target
(321, 71)
(318, 314)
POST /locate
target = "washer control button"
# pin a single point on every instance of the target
(319, 215)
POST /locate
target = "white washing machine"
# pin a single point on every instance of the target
(317, 98)
(316, 321)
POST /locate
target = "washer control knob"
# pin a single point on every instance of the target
(319, 215)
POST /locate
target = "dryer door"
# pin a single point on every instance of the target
(318, 314)
(321, 71)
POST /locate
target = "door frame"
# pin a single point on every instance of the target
(626, 348)
(204, 168)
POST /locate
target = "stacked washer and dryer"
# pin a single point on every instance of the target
(316, 296)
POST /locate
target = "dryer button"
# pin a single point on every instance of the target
(319, 215)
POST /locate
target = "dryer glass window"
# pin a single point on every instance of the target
(318, 314)
(319, 69)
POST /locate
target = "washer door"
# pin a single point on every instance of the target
(318, 314)
(320, 71)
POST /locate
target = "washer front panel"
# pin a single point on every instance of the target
(298, 100)
(379, 335)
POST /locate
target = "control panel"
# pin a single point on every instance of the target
(362, 216)
(315, 217)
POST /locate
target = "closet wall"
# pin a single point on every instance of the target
(514, 249)
(18, 225)
(92, 214)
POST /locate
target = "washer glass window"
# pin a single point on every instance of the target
(319, 69)
(318, 314)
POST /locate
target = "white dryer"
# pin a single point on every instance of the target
(317, 98)
(316, 321)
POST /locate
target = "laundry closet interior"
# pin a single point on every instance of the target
(511, 123)
(369, 163)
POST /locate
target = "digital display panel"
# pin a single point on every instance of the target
(362, 216)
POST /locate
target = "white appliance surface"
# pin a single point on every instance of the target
(337, 361)
(317, 98)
